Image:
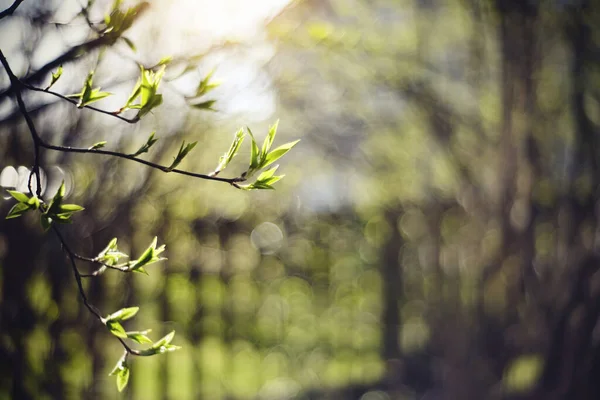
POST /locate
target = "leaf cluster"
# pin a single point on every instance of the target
(55, 211)
(114, 324)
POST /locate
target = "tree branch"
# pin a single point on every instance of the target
(10, 10)
(66, 149)
(74, 102)
(37, 143)
(16, 85)
(71, 254)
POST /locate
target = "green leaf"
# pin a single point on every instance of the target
(137, 89)
(267, 174)
(17, 210)
(144, 149)
(55, 77)
(278, 153)
(121, 371)
(161, 346)
(205, 85)
(54, 205)
(110, 255)
(123, 314)
(19, 196)
(98, 145)
(149, 256)
(164, 340)
(122, 378)
(164, 61)
(86, 91)
(140, 336)
(205, 105)
(254, 152)
(116, 329)
(129, 43)
(88, 94)
(95, 96)
(257, 185)
(145, 92)
(33, 202)
(70, 208)
(181, 154)
(226, 158)
(269, 139)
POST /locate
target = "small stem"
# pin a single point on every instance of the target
(16, 85)
(10, 10)
(72, 255)
(66, 149)
(63, 97)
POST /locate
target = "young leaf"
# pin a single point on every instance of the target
(122, 378)
(164, 345)
(205, 105)
(269, 139)
(164, 340)
(145, 92)
(161, 346)
(226, 158)
(121, 371)
(129, 43)
(95, 96)
(88, 94)
(149, 256)
(116, 329)
(20, 197)
(110, 255)
(56, 200)
(139, 336)
(183, 151)
(134, 94)
(70, 208)
(33, 203)
(267, 174)
(122, 314)
(55, 77)
(278, 153)
(163, 61)
(146, 146)
(98, 145)
(205, 85)
(17, 210)
(254, 152)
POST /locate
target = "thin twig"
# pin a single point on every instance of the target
(16, 84)
(103, 266)
(74, 102)
(66, 149)
(37, 143)
(72, 255)
(10, 10)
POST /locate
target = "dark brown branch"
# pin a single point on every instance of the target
(16, 85)
(10, 10)
(231, 181)
(103, 266)
(37, 143)
(71, 254)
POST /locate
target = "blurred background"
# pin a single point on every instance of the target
(436, 235)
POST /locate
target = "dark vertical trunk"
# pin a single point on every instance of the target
(391, 274)
(17, 318)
